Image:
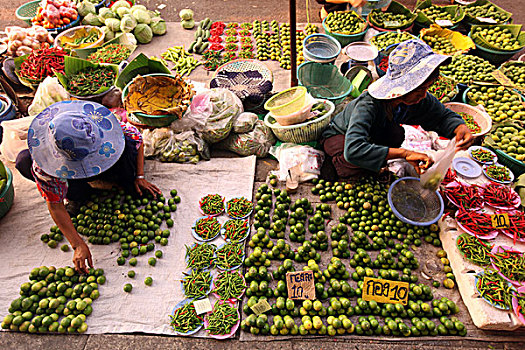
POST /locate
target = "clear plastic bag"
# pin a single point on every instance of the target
(256, 142)
(226, 106)
(48, 92)
(14, 137)
(167, 146)
(245, 122)
(436, 173)
(305, 160)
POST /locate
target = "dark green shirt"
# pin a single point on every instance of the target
(365, 122)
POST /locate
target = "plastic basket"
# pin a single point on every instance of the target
(345, 39)
(287, 102)
(517, 167)
(304, 132)
(27, 11)
(493, 56)
(8, 194)
(480, 117)
(321, 47)
(244, 65)
(324, 81)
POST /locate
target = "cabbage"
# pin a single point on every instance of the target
(85, 8)
(186, 14)
(141, 16)
(92, 20)
(105, 13)
(138, 7)
(188, 24)
(113, 24)
(108, 34)
(131, 38)
(143, 33)
(158, 26)
(121, 12)
(127, 24)
(119, 4)
(154, 14)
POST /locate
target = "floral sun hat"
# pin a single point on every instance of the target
(409, 65)
(75, 139)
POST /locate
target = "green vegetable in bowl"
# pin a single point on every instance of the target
(465, 68)
(500, 38)
(344, 23)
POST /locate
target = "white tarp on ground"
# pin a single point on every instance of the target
(145, 309)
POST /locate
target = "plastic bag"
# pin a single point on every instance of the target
(245, 122)
(14, 137)
(168, 146)
(48, 92)
(305, 159)
(256, 142)
(226, 106)
(433, 176)
(196, 116)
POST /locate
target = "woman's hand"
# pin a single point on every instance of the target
(418, 160)
(80, 256)
(143, 184)
(464, 137)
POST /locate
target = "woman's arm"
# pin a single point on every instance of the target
(140, 182)
(62, 219)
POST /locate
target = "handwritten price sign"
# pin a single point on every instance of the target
(500, 220)
(385, 291)
(300, 285)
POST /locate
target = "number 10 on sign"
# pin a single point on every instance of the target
(385, 291)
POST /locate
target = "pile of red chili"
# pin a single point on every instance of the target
(516, 226)
(478, 223)
(383, 64)
(465, 196)
(499, 195)
(42, 63)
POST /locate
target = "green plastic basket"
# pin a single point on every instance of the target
(345, 39)
(303, 132)
(8, 194)
(324, 81)
(27, 11)
(517, 167)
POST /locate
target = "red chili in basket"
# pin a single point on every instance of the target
(516, 226)
(383, 65)
(476, 222)
(450, 176)
(42, 63)
(499, 195)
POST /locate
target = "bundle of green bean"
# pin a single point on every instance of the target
(474, 249)
(185, 319)
(196, 284)
(235, 229)
(222, 319)
(495, 289)
(229, 285)
(212, 204)
(207, 228)
(229, 255)
(239, 207)
(511, 264)
(185, 63)
(200, 256)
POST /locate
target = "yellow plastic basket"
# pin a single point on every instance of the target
(287, 102)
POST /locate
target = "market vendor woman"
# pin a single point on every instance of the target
(367, 132)
(71, 144)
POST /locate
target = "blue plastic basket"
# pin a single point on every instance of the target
(321, 47)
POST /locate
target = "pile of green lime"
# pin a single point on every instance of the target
(500, 103)
(440, 44)
(488, 11)
(382, 41)
(385, 19)
(465, 68)
(499, 37)
(344, 23)
(434, 13)
(515, 71)
(511, 140)
(54, 300)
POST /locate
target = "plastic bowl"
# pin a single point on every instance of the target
(324, 81)
(321, 47)
(234, 328)
(71, 33)
(7, 195)
(500, 249)
(493, 56)
(209, 287)
(287, 102)
(479, 116)
(345, 39)
(199, 238)
(179, 305)
(298, 116)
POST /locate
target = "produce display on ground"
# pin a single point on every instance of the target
(244, 250)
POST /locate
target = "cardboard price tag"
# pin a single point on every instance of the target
(487, 20)
(261, 307)
(390, 24)
(444, 23)
(385, 291)
(500, 220)
(202, 306)
(300, 285)
(502, 78)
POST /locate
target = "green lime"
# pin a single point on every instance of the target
(148, 281)
(64, 248)
(131, 274)
(133, 261)
(158, 254)
(128, 287)
(152, 261)
(173, 193)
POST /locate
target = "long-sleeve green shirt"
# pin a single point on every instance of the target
(364, 122)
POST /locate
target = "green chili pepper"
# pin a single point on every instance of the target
(239, 207)
(235, 229)
(495, 289)
(498, 172)
(474, 249)
(200, 256)
(212, 204)
(207, 228)
(229, 285)
(185, 319)
(196, 284)
(222, 319)
(229, 255)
